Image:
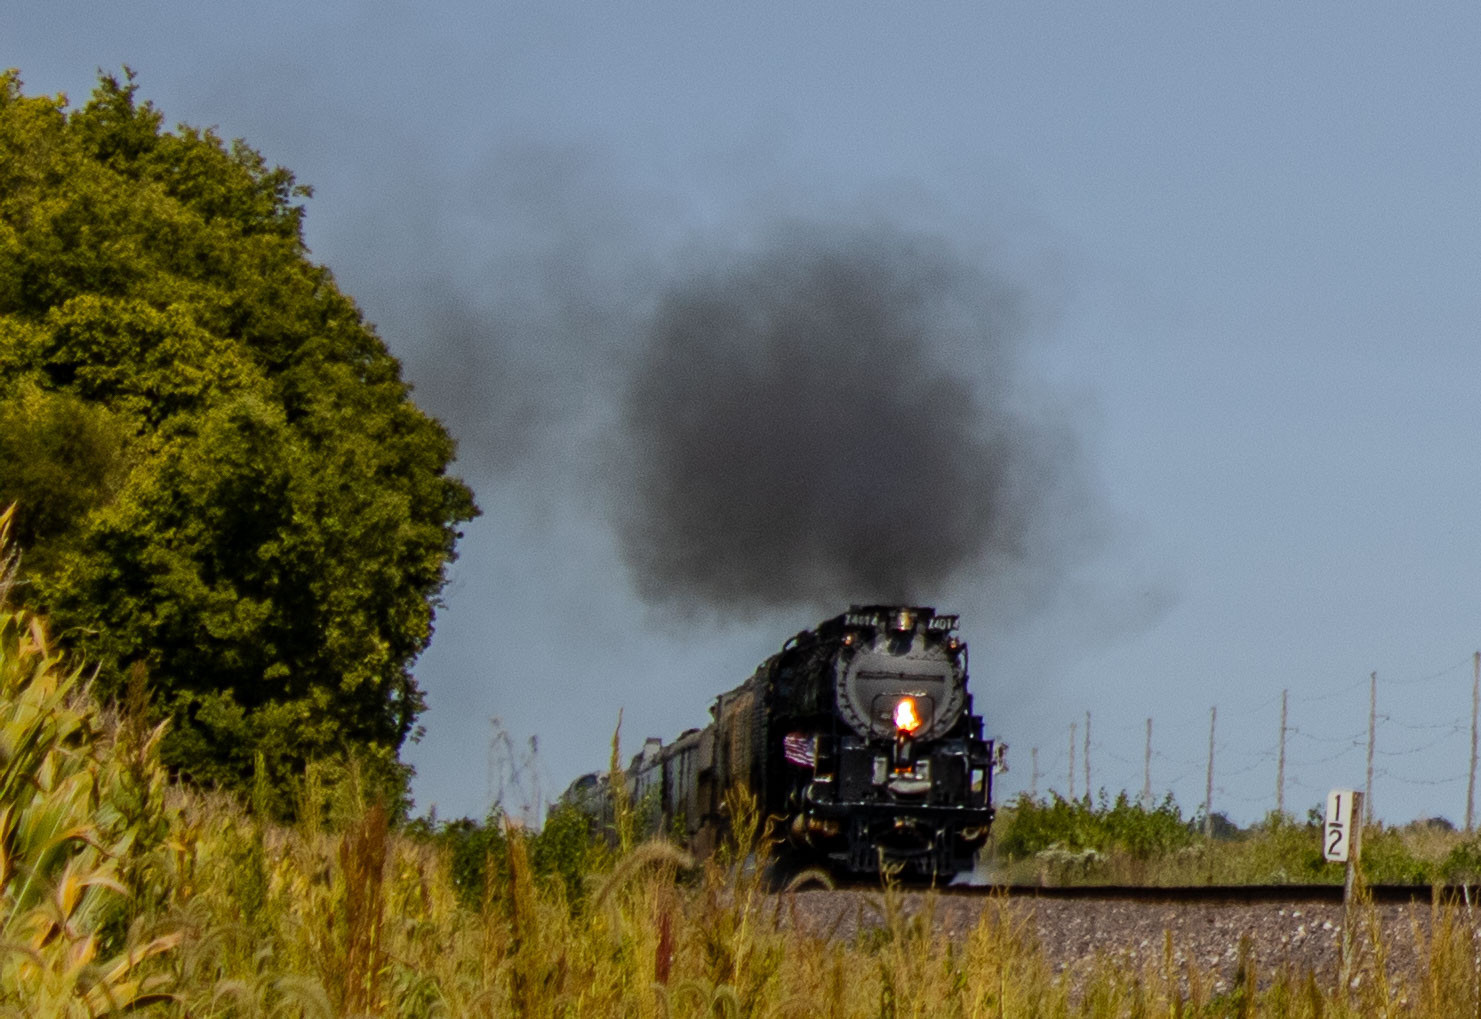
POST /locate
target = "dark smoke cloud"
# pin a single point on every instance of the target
(829, 419)
(512, 304)
(831, 414)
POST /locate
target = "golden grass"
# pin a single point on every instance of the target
(121, 893)
(656, 937)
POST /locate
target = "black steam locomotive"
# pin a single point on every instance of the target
(859, 740)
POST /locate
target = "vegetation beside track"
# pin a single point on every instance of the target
(122, 892)
(1066, 842)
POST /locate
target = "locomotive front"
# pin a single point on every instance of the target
(882, 757)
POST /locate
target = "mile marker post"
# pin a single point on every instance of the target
(1342, 842)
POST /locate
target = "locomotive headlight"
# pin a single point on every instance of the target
(903, 621)
(907, 719)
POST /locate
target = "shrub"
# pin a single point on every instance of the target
(1462, 865)
(1141, 832)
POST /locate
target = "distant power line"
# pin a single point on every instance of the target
(1224, 759)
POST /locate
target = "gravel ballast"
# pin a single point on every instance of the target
(1073, 934)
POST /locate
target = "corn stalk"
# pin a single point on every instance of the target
(62, 842)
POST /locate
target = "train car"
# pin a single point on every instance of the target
(859, 740)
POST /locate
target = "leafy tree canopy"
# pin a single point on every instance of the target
(218, 468)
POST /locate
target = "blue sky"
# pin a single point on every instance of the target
(1245, 247)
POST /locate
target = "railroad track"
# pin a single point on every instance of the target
(1293, 894)
(1287, 894)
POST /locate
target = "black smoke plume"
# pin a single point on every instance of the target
(828, 420)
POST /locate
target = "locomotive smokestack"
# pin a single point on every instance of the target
(828, 420)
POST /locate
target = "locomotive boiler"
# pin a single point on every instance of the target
(858, 739)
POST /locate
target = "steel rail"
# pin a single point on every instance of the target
(1459, 894)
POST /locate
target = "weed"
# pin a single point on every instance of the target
(120, 892)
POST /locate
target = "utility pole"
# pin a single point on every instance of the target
(1372, 726)
(1033, 783)
(1147, 769)
(1072, 762)
(1208, 796)
(1088, 786)
(1280, 767)
(1471, 785)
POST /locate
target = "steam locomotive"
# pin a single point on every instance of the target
(858, 739)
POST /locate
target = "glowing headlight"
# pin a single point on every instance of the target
(906, 718)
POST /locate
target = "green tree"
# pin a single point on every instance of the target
(219, 470)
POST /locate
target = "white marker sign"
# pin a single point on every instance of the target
(1337, 832)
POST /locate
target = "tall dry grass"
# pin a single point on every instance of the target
(76, 846)
(123, 893)
(655, 933)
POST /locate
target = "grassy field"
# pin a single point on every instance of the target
(123, 892)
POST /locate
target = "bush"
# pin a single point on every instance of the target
(1388, 859)
(560, 853)
(564, 849)
(1279, 850)
(1142, 833)
(1462, 865)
